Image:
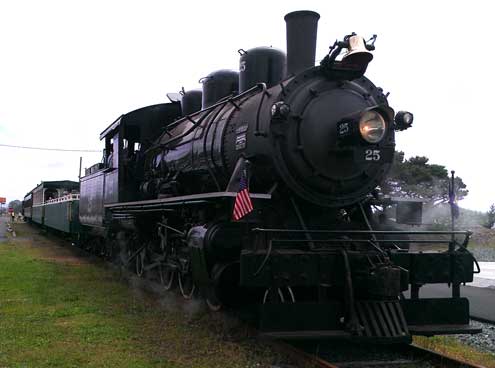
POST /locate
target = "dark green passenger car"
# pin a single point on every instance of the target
(56, 205)
(62, 214)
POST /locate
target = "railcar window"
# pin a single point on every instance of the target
(51, 194)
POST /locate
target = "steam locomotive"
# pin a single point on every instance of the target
(263, 188)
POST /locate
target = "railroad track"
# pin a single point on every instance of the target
(345, 355)
(329, 354)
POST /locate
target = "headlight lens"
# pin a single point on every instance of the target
(372, 127)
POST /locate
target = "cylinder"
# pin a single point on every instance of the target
(302, 27)
(219, 84)
(261, 65)
(191, 102)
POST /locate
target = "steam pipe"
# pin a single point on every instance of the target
(302, 28)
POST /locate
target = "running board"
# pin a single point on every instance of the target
(158, 204)
(430, 330)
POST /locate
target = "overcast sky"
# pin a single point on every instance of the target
(68, 69)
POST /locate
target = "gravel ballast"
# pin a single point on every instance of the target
(484, 341)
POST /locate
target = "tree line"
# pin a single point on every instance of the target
(416, 177)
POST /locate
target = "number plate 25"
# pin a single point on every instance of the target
(372, 155)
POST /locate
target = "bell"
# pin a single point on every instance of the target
(357, 53)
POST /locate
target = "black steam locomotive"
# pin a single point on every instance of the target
(262, 189)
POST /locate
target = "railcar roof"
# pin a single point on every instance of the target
(136, 117)
(56, 184)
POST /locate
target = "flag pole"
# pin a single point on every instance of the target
(454, 212)
(452, 209)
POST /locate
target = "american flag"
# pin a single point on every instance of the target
(243, 204)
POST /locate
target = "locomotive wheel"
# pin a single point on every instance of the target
(101, 250)
(88, 247)
(186, 285)
(140, 262)
(167, 277)
(212, 300)
(110, 248)
(128, 259)
(213, 303)
(95, 247)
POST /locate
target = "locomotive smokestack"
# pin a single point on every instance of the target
(302, 27)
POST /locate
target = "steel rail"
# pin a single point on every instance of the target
(301, 357)
(414, 355)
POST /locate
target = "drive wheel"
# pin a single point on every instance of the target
(97, 247)
(110, 250)
(140, 262)
(167, 276)
(186, 285)
(213, 303)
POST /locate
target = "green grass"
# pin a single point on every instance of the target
(55, 315)
(59, 314)
(452, 347)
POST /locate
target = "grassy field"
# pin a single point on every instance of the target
(451, 347)
(64, 311)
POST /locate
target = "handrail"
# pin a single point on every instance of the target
(466, 234)
(65, 198)
(222, 102)
(363, 232)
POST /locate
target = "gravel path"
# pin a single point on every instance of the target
(3, 227)
(484, 341)
(483, 254)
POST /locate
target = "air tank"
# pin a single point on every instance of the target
(191, 101)
(219, 84)
(261, 64)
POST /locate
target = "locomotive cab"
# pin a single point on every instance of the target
(118, 177)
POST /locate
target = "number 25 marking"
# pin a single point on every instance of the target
(372, 155)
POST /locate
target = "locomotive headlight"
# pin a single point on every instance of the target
(372, 127)
(403, 120)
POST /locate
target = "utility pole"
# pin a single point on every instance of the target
(80, 167)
